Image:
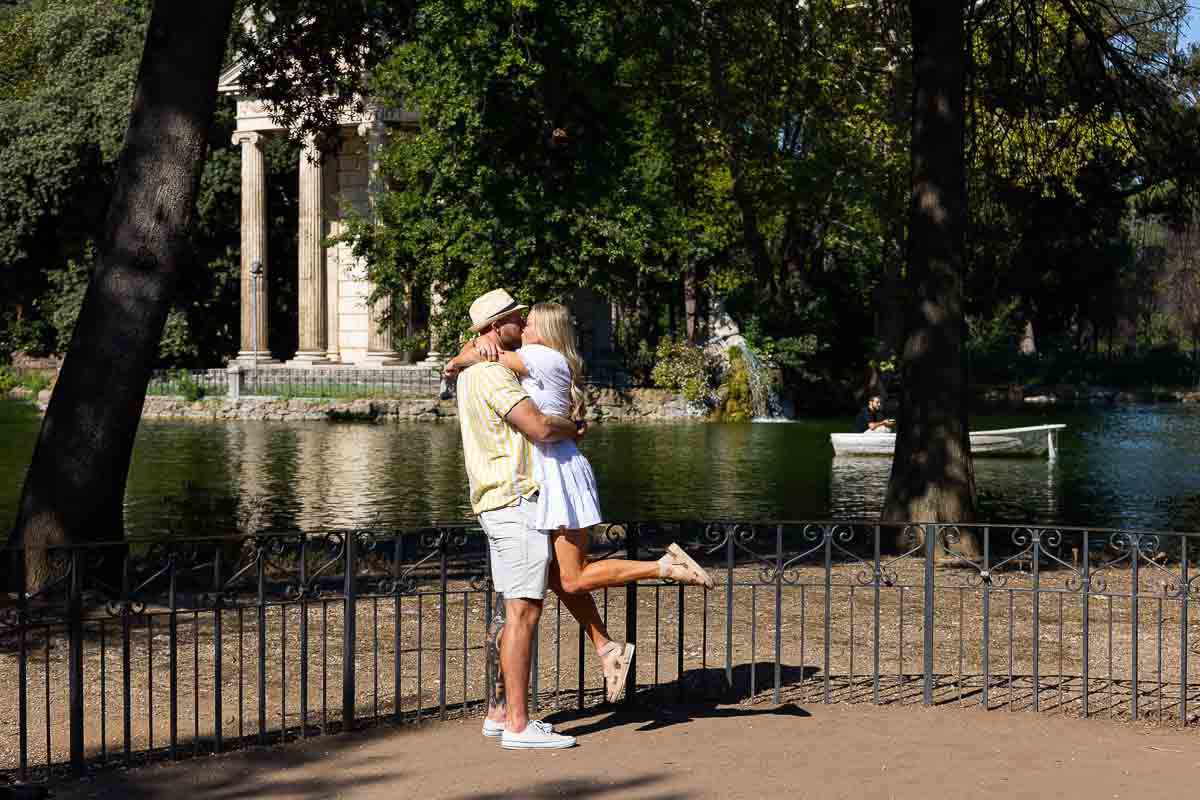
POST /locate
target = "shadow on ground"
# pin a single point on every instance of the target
(266, 772)
(706, 694)
(713, 684)
(570, 787)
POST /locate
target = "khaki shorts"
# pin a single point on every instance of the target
(520, 553)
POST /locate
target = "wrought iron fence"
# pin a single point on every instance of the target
(174, 647)
(196, 383)
(342, 382)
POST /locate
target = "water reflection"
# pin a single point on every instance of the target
(1010, 489)
(1125, 467)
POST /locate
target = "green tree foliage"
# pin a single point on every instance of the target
(66, 80)
(753, 154)
(629, 148)
(67, 72)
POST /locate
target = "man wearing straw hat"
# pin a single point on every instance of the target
(499, 421)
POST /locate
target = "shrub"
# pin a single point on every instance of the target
(189, 388)
(35, 382)
(12, 378)
(685, 369)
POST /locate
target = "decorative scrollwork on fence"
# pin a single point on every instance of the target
(814, 533)
(615, 536)
(884, 573)
(945, 539)
(307, 585)
(1176, 588)
(871, 575)
(434, 544)
(789, 572)
(396, 584)
(12, 618)
(715, 536)
(1125, 547)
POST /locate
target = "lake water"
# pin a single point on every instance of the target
(1132, 466)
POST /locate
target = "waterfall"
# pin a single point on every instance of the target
(767, 406)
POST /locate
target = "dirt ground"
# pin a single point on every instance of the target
(810, 751)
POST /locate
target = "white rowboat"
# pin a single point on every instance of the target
(1031, 441)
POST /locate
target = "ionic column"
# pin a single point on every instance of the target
(254, 347)
(435, 356)
(311, 286)
(332, 300)
(379, 336)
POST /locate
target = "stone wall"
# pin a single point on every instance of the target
(605, 405)
(1070, 395)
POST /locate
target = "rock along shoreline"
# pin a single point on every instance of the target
(605, 405)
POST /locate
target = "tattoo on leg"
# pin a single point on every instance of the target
(495, 674)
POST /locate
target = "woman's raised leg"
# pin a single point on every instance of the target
(578, 575)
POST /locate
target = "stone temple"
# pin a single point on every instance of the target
(337, 325)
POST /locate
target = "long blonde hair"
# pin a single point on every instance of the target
(558, 333)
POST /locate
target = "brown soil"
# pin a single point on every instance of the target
(706, 648)
(736, 751)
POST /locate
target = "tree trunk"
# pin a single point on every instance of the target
(932, 479)
(75, 486)
(691, 295)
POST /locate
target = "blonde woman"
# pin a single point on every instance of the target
(550, 371)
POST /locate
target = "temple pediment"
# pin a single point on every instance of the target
(230, 81)
(255, 115)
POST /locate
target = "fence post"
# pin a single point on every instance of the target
(22, 666)
(443, 597)
(173, 659)
(1183, 631)
(261, 635)
(778, 612)
(730, 557)
(234, 381)
(931, 534)
(75, 625)
(1135, 544)
(349, 631)
(218, 710)
(631, 615)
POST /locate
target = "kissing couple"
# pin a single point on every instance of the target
(520, 411)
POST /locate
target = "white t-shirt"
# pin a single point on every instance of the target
(549, 380)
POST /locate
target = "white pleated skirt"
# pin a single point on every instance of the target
(569, 498)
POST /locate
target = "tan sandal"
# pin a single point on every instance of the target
(616, 671)
(679, 567)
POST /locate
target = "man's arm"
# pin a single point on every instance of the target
(460, 361)
(538, 427)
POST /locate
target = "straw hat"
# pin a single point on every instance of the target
(490, 307)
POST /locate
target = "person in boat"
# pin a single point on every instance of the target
(871, 418)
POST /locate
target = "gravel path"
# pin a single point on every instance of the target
(813, 751)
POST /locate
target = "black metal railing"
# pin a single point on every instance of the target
(342, 383)
(189, 383)
(151, 649)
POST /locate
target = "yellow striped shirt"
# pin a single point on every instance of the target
(499, 459)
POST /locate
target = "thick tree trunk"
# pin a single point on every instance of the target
(75, 486)
(932, 479)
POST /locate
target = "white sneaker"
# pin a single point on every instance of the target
(536, 736)
(493, 730)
